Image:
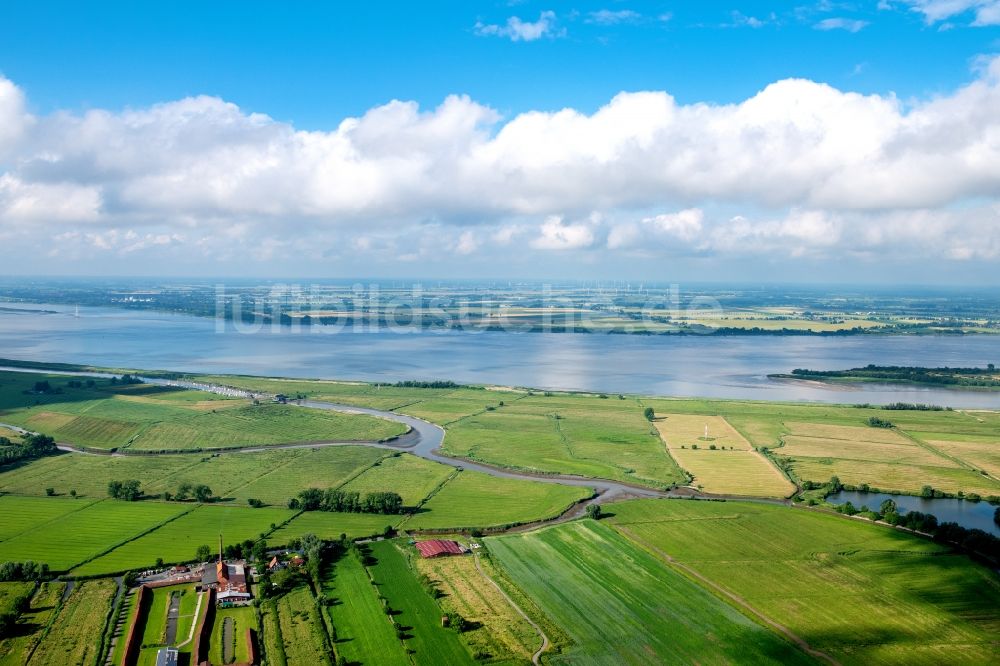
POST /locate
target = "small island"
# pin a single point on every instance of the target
(980, 378)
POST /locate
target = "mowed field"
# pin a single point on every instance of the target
(412, 477)
(620, 604)
(148, 417)
(330, 525)
(416, 612)
(500, 631)
(883, 458)
(733, 468)
(177, 540)
(861, 593)
(365, 634)
(472, 499)
(74, 636)
(78, 536)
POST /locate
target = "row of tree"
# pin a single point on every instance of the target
(32, 446)
(185, 491)
(314, 499)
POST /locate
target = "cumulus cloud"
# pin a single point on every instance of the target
(554, 234)
(517, 30)
(839, 23)
(984, 12)
(808, 168)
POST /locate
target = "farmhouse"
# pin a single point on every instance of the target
(228, 580)
(439, 548)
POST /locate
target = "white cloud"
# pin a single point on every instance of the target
(613, 17)
(850, 25)
(984, 12)
(522, 31)
(555, 235)
(811, 168)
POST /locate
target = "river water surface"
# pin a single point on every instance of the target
(697, 365)
(967, 514)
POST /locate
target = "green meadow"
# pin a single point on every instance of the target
(146, 417)
(620, 604)
(862, 593)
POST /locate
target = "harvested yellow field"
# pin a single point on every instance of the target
(901, 451)
(502, 633)
(687, 429)
(894, 476)
(739, 470)
(981, 455)
(850, 433)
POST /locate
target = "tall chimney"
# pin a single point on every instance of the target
(220, 547)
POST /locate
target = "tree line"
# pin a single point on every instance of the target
(32, 446)
(314, 499)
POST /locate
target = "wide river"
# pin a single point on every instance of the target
(704, 366)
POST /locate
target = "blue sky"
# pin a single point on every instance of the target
(252, 169)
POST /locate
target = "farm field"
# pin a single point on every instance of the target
(365, 634)
(148, 417)
(331, 524)
(412, 477)
(75, 634)
(620, 604)
(417, 613)
(472, 499)
(862, 593)
(584, 435)
(983, 454)
(733, 467)
(178, 540)
(23, 514)
(75, 537)
(15, 648)
(501, 632)
(303, 635)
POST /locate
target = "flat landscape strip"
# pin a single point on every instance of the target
(417, 613)
(302, 630)
(365, 634)
(861, 593)
(620, 604)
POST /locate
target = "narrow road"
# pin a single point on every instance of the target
(535, 658)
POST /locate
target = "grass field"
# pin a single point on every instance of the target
(178, 540)
(734, 467)
(415, 611)
(500, 631)
(365, 634)
(75, 634)
(619, 604)
(412, 477)
(302, 632)
(23, 514)
(473, 499)
(272, 641)
(859, 592)
(330, 525)
(14, 649)
(983, 454)
(72, 538)
(147, 417)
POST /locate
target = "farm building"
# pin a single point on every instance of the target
(439, 548)
(228, 580)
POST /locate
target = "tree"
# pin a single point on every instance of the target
(43, 387)
(254, 502)
(72, 493)
(183, 491)
(835, 485)
(202, 493)
(927, 492)
(259, 551)
(888, 506)
(594, 511)
(159, 563)
(649, 413)
(50, 492)
(203, 553)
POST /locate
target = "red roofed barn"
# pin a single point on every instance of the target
(439, 547)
